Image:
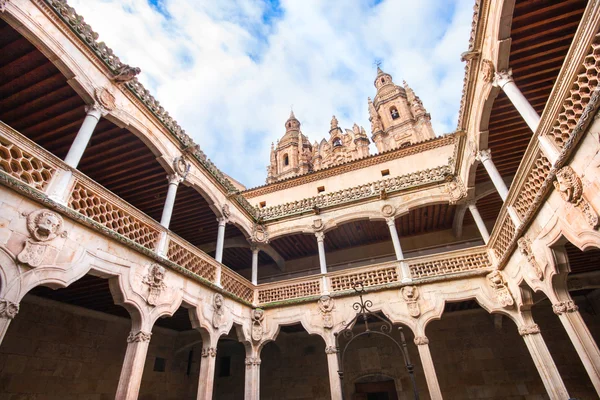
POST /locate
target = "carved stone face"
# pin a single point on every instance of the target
(218, 301)
(159, 273)
(44, 225)
(326, 303)
(495, 279)
(257, 314)
(48, 224)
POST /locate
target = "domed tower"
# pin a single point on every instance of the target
(292, 155)
(397, 115)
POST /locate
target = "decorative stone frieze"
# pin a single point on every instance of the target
(500, 288)
(421, 340)
(525, 248)
(252, 362)
(139, 336)
(8, 309)
(326, 306)
(487, 71)
(331, 350)
(563, 307)
(43, 226)
(218, 319)
(258, 330)
(570, 187)
(529, 330)
(209, 352)
(154, 279)
(410, 294)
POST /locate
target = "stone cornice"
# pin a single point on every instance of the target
(350, 166)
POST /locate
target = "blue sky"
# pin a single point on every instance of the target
(230, 70)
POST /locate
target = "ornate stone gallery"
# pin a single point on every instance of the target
(460, 266)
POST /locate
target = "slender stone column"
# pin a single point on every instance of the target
(335, 385)
(433, 385)
(504, 80)
(8, 311)
(582, 340)
(207, 373)
(94, 112)
(404, 270)
(485, 157)
(255, 251)
(220, 239)
(479, 222)
(252, 379)
(543, 362)
(133, 366)
(321, 245)
(165, 220)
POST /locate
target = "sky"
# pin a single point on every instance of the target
(230, 71)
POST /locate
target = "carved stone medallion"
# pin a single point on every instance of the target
(260, 234)
(410, 294)
(326, 306)
(181, 166)
(155, 282)
(500, 288)
(487, 71)
(218, 318)
(43, 226)
(258, 330)
(318, 225)
(387, 210)
(105, 98)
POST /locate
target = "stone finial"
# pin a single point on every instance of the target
(334, 123)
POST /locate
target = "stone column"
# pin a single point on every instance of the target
(321, 245)
(133, 366)
(93, 114)
(206, 379)
(255, 251)
(504, 80)
(220, 239)
(582, 340)
(8, 311)
(485, 157)
(543, 361)
(252, 379)
(404, 270)
(479, 222)
(433, 385)
(165, 220)
(335, 384)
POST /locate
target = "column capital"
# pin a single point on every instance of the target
(174, 179)
(222, 221)
(421, 340)
(320, 236)
(563, 307)
(8, 309)
(503, 77)
(529, 330)
(471, 203)
(390, 221)
(331, 350)
(209, 351)
(252, 362)
(139, 336)
(254, 247)
(95, 110)
(483, 155)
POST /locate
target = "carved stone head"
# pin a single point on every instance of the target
(496, 279)
(218, 301)
(410, 293)
(325, 304)
(568, 184)
(44, 225)
(258, 314)
(157, 274)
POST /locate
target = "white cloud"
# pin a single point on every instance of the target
(229, 72)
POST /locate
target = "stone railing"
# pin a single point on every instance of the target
(470, 259)
(189, 257)
(573, 102)
(237, 285)
(360, 192)
(289, 289)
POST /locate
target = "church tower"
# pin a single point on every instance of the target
(292, 155)
(397, 115)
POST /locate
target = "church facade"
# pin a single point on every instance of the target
(459, 266)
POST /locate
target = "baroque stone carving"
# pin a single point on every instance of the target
(570, 187)
(410, 294)
(500, 288)
(8, 309)
(125, 73)
(218, 318)
(318, 225)
(334, 123)
(154, 279)
(487, 71)
(529, 330)
(226, 211)
(209, 351)
(139, 336)
(258, 330)
(455, 188)
(568, 306)
(331, 350)
(421, 340)
(326, 306)
(181, 167)
(388, 210)
(43, 226)
(105, 98)
(525, 248)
